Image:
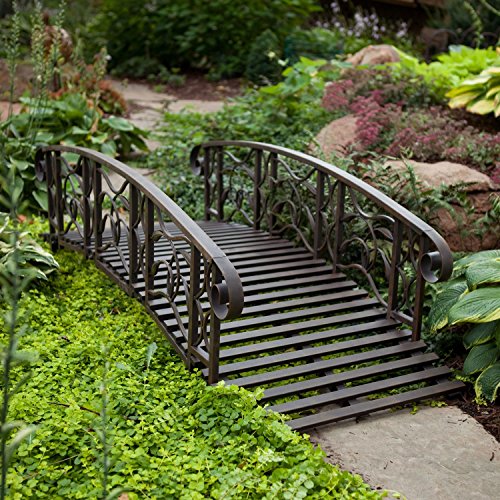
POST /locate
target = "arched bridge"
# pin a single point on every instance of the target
(301, 279)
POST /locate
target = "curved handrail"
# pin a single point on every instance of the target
(227, 298)
(440, 260)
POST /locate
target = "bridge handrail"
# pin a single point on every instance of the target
(431, 266)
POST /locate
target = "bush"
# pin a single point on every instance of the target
(215, 35)
(169, 435)
(263, 63)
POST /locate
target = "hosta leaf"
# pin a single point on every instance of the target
(492, 92)
(493, 71)
(478, 306)
(483, 272)
(476, 257)
(463, 99)
(463, 89)
(479, 79)
(488, 382)
(480, 334)
(480, 357)
(482, 107)
(497, 110)
(438, 315)
(117, 123)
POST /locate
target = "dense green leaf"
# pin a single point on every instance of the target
(476, 257)
(480, 334)
(488, 383)
(480, 273)
(479, 306)
(447, 298)
(481, 357)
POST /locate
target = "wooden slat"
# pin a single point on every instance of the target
(312, 352)
(357, 391)
(360, 409)
(328, 364)
(346, 376)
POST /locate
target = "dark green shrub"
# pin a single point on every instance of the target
(215, 35)
(263, 65)
(315, 43)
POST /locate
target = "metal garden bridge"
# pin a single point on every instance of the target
(301, 279)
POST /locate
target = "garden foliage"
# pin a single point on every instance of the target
(168, 434)
(473, 297)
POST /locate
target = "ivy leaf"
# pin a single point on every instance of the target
(488, 382)
(480, 357)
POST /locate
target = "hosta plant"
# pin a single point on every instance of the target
(473, 297)
(480, 95)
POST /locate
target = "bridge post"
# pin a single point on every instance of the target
(273, 179)
(133, 243)
(97, 186)
(52, 208)
(339, 216)
(149, 248)
(320, 199)
(56, 169)
(87, 215)
(220, 183)
(423, 248)
(397, 237)
(214, 347)
(194, 318)
(257, 180)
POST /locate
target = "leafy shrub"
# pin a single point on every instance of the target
(263, 67)
(450, 68)
(170, 435)
(389, 123)
(473, 296)
(479, 95)
(314, 43)
(214, 35)
(31, 260)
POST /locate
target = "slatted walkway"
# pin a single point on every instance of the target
(321, 346)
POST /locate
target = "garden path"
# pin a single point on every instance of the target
(435, 453)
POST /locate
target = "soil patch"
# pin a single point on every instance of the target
(487, 415)
(196, 86)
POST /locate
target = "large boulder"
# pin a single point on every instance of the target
(464, 229)
(335, 137)
(373, 55)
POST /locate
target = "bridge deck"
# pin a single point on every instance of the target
(320, 346)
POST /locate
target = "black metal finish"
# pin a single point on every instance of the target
(282, 228)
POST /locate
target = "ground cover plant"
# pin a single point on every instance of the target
(167, 433)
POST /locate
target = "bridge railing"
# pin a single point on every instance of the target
(108, 211)
(332, 213)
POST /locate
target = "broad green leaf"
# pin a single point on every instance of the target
(462, 89)
(438, 315)
(488, 382)
(480, 357)
(483, 272)
(479, 79)
(118, 123)
(492, 92)
(480, 334)
(497, 110)
(492, 71)
(476, 257)
(463, 99)
(482, 107)
(479, 306)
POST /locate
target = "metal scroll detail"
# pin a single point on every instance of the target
(330, 212)
(146, 243)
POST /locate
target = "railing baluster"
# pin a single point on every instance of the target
(133, 243)
(49, 171)
(220, 184)
(339, 216)
(208, 189)
(318, 223)
(56, 166)
(97, 181)
(214, 348)
(87, 215)
(194, 286)
(423, 248)
(397, 238)
(273, 179)
(149, 247)
(257, 180)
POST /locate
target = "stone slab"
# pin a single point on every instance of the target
(437, 453)
(196, 105)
